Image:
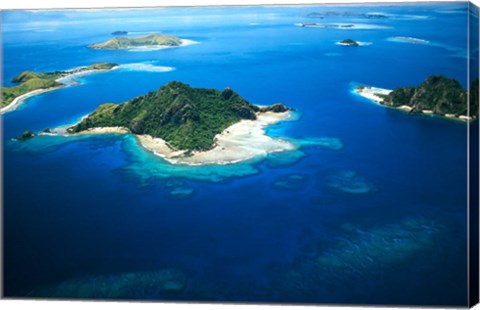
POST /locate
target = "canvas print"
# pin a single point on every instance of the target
(302, 154)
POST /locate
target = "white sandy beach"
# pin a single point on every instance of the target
(21, 99)
(68, 80)
(371, 93)
(242, 141)
(104, 130)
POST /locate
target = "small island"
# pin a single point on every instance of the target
(34, 83)
(349, 42)
(155, 40)
(193, 126)
(327, 26)
(120, 33)
(329, 14)
(437, 96)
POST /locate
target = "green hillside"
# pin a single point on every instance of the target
(187, 118)
(155, 39)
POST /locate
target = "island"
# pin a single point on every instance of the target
(193, 126)
(349, 42)
(27, 134)
(34, 83)
(155, 40)
(326, 26)
(119, 33)
(321, 15)
(437, 96)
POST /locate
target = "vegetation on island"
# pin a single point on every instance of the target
(438, 94)
(186, 118)
(26, 135)
(150, 40)
(349, 42)
(29, 81)
(120, 33)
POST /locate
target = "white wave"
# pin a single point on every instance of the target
(145, 67)
(410, 40)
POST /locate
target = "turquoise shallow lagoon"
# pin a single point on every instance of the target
(376, 214)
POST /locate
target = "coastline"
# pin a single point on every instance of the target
(371, 93)
(185, 42)
(22, 98)
(241, 141)
(67, 80)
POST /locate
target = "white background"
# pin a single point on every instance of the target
(75, 305)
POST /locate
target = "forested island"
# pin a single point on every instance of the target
(187, 118)
(197, 125)
(32, 83)
(151, 40)
(349, 42)
(437, 95)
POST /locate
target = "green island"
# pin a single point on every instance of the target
(29, 81)
(151, 40)
(437, 95)
(185, 118)
(349, 42)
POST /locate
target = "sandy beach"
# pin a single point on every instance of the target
(242, 141)
(371, 93)
(104, 130)
(21, 99)
(67, 80)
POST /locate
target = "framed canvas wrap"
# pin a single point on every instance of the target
(284, 154)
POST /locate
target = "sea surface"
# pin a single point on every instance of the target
(380, 220)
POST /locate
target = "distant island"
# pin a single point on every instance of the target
(119, 33)
(192, 125)
(349, 42)
(148, 41)
(437, 95)
(317, 25)
(34, 83)
(346, 14)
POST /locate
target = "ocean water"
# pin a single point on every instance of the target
(380, 220)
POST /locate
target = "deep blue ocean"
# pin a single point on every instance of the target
(381, 220)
